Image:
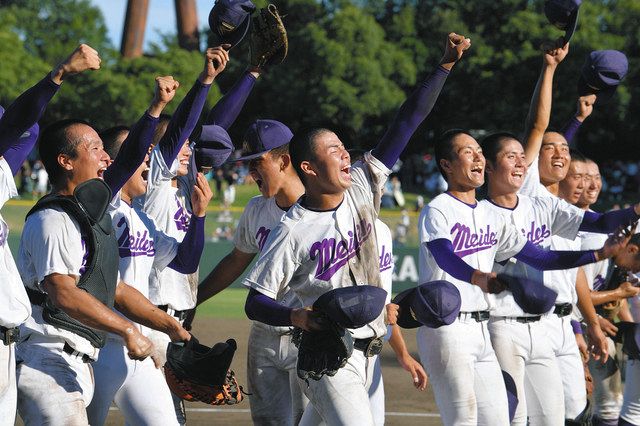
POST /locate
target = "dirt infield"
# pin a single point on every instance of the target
(404, 404)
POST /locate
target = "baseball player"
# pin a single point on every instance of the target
(137, 387)
(275, 395)
(68, 262)
(18, 133)
(327, 240)
(630, 411)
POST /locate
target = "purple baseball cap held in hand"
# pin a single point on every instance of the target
(352, 307)
(229, 20)
(433, 304)
(563, 14)
(602, 73)
(213, 148)
(532, 296)
(263, 136)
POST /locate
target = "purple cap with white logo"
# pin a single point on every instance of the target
(602, 73)
(564, 15)
(262, 137)
(229, 20)
(433, 304)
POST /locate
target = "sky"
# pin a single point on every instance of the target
(161, 18)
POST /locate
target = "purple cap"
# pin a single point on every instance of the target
(602, 73)
(262, 137)
(564, 15)
(433, 304)
(213, 148)
(229, 20)
(532, 296)
(512, 394)
(352, 307)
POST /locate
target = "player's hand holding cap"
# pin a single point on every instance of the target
(229, 20)
(352, 307)
(564, 15)
(602, 73)
(213, 148)
(433, 304)
(263, 136)
(531, 295)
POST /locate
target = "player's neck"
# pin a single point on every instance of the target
(467, 196)
(552, 187)
(289, 194)
(322, 202)
(508, 200)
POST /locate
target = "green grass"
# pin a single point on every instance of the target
(227, 304)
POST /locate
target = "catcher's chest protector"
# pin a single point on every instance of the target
(88, 208)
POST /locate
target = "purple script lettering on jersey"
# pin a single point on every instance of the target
(182, 217)
(386, 259)
(333, 255)
(465, 242)
(536, 235)
(131, 246)
(261, 236)
(598, 283)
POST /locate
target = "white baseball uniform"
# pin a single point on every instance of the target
(137, 387)
(54, 387)
(385, 249)
(15, 308)
(311, 252)
(630, 410)
(462, 366)
(274, 393)
(520, 339)
(560, 331)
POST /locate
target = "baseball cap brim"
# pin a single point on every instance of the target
(602, 95)
(249, 156)
(405, 316)
(571, 26)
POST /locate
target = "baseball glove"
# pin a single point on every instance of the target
(322, 352)
(195, 372)
(269, 43)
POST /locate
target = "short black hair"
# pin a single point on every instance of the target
(302, 147)
(492, 144)
(443, 149)
(54, 140)
(111, 139)
(356, 154)
(577, 156)
(280, 150)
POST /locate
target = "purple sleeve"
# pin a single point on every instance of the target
(266, 310)
(577, 328)
(570, 129)
(412, 112)
(546, 260)
(183, 122)
(132, 153)
(190, 249)
(442, 251)
(227, 109)
(19, 151)
(605, 223)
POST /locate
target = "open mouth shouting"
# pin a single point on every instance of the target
(345, 172)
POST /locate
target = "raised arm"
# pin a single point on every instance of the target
(585, 108)
(136, 145)
(227, 109)
(186, 116)
(418, 106)
(23, 114)
(537, 120)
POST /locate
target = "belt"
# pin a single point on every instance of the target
(563, 309)
(371, 346)
(524, 320)
(180, 315)
(479, 316)
(9, 335)
(69, 350)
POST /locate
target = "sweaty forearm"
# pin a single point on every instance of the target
(138, 308)
(547, 260)
(227, 109)
(259, 307)
(606, 296)
(606, 223)
(224, 274)
(397, 343)
(412, 112)
(190, 249)
(584, 300)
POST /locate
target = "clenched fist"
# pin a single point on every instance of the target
(215, 60)
(454, 48)
(82, 59)
(165, 90)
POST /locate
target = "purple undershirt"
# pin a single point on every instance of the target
(544, 260)
(227, 109)
(606, 223)
(412, 112)
(22, 115)
(190, 249)
(570, 129)
(259, 307)
(577, 328)
(132, 153)
(183, 122)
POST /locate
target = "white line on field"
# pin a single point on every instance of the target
(245, 410)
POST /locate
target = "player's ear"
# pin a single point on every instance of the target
(446, 166)
(488, 168)
(285, 161)
(65, 162)
(633, 249)
(307, 168)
